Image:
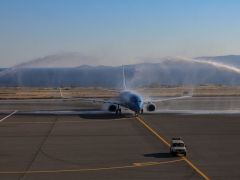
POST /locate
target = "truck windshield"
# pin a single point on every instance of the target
(178, 145)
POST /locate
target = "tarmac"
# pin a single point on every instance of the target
(58, 144)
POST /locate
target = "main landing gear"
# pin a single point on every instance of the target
(118, 111)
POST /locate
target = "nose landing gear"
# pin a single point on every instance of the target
(138, 112)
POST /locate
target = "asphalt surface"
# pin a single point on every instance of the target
(213, 141)
(102, 146)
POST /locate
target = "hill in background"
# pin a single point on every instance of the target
(168, 71)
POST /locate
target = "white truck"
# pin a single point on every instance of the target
(178, 147)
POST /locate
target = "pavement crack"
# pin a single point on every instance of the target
(39, 149)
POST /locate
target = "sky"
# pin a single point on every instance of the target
(117, 31)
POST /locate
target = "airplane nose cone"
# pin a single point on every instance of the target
(138, 106)
(136, 103)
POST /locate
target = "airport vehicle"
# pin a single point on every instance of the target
(128, 99)
(178, 147)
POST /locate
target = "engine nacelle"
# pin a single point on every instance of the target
(151, 107)
(112, 108)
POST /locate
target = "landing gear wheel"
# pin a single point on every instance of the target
(118, 111)
(136, 114)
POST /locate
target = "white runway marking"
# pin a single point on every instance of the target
(8, 116)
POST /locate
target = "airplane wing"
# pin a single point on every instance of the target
(92, 100)
(167, 99)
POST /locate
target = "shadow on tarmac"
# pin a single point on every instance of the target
(158, 155)
(104, 116)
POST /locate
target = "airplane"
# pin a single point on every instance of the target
(127, 99)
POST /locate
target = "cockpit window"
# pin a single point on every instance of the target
(135, 99)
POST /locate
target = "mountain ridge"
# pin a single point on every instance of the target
(170, 71)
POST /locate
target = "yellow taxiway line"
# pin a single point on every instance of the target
(134, 165)
(167, 144)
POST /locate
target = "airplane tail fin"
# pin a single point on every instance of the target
(124, 79)
(61, 93)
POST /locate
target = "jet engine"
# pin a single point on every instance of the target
(112, 108)
(151, 107)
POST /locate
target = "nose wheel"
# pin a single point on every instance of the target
(138, 112)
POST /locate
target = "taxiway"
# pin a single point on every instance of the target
(102, 146)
